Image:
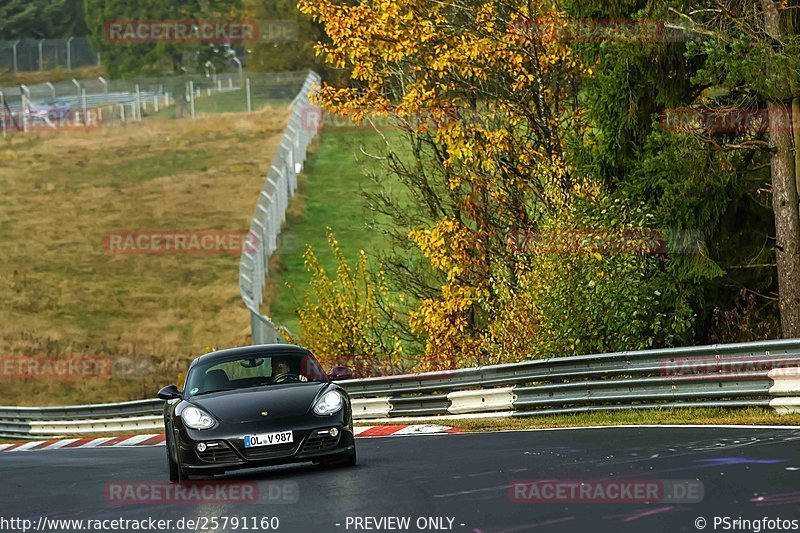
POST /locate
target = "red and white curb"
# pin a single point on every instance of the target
(158, 439)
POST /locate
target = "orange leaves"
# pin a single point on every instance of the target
(447, 246)
(483, 93)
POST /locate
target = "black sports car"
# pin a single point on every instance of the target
(256, 406)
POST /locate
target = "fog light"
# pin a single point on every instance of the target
(333, 432)
(201, 447)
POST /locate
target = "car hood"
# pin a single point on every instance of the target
(245, 405)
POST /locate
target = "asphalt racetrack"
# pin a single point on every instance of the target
(457, 482)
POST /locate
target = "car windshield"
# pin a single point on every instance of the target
(249, 371)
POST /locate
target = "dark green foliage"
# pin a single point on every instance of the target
(682, 183)
(41, 19)
(135, 59)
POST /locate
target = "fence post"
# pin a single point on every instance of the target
(26, 106)
(247, 91)
(84, 107)
(105, 88)
(14, 55)
(138, 115)
(241, 75)
(210, 65)
(78, 85)
(263, 330)
(52, 89)
(191, 97)
(3, 113)
(69, 53)
(41, 55)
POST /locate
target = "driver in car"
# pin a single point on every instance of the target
(280, 366)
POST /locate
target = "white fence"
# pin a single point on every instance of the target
(270, 213)
(100, 102)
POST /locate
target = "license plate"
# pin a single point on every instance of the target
(268, 439)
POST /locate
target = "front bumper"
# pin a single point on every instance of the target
(224, 453)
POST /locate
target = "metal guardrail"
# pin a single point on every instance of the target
(270, 213)
(757, 374)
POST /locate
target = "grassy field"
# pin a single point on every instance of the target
(8, 78)
(747, 416)
(329, 195)
(701, 416)
(64, 294)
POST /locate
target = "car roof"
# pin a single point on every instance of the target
(259, 349)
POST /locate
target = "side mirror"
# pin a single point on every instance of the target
(340, 372)
(170, 392)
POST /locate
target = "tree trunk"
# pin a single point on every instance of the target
(784, 199)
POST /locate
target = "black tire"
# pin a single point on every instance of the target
(340, 460)
(176, 475)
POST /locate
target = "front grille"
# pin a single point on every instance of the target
(221, 453)
(269, 452)
(320, 441)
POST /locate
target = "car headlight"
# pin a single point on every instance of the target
(329, 403)
(196, 418)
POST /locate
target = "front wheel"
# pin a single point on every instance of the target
(176, 474)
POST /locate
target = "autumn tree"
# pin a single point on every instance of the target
(484, 108)
(339, 319)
